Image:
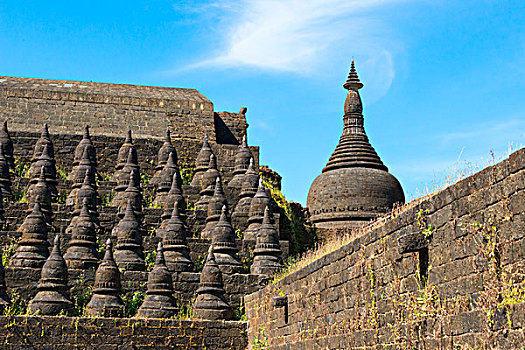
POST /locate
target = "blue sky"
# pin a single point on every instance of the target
(444, 80)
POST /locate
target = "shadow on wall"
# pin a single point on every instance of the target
(223, 133)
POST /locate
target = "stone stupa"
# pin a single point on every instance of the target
(354, 186)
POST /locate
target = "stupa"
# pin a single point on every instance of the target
(354, 186)
(106, 301)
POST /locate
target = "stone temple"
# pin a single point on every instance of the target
(354, 186)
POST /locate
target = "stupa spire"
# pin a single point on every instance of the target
(352, 82)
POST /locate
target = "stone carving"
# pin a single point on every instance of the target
(106, 301)
(159, 301)
(32, 248)
(162, 158)
(5, 301)
(47, 161)
(267, 255)
(86, 154)
(129, 171)
(175, 246)
(210, 303)
(354, 172)
(248, 190)
(202, 161)
(242, 162)
(128, 251)
(51, 298)
(165, 179)
(208, 184)
(224, 247)
(215, 205)
(39, 192)
(6, 144)
(5, 176)
(82, 250)
(259, 202)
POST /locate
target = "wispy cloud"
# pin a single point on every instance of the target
(304, 37)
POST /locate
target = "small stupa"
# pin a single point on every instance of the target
(84, 152)
(202, 162)
(106, 300)
(123, 155)
(6, 144)
(128, 251)
(82, 250)
(175, 246)
(208, 181)
(224, 247)
(32, 250)
(259, 202)
(267, 255)
(215, 205)
(162, 158)
(5, 176)
(51, 298)
(159, 301)
(242, 162)
(211, 303)
(241, 212)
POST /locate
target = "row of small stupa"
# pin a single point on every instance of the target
(32, 249)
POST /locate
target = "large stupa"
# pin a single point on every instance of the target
(354, 186)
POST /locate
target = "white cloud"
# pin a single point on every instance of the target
(306, 37)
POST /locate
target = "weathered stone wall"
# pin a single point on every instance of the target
(110, 109)
(445, 273)
(65, 333)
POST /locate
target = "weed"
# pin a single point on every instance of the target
(185, 310)
(9, 250)
(132, 301)
(187, 167)
(21, 168)
(199, 263)
(80, 296)
(260, 341)
(150, 260)
(239, 234)
(18, 305)
(107, 198)
(61, 172)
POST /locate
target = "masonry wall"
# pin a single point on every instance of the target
(110, 109)
(65, 333)
(445, 273)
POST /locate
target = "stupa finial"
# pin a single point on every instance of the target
(353, 82)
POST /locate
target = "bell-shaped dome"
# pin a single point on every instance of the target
(355, 186)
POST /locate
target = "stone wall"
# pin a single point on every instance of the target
(65, 333)
(446, 272)
(110, 109)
